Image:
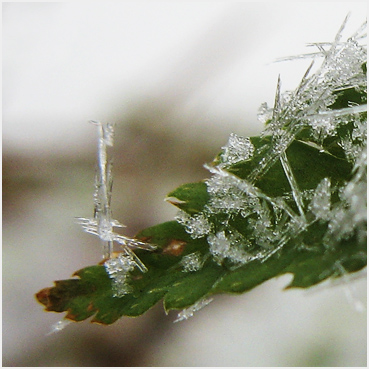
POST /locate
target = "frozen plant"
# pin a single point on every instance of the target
(291, 200)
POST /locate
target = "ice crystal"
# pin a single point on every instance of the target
(296, 193)
(118, 269)
(271, 221)
(353, 145)
(105, 232)
(192, 262)
(230, 193)
(359, 132)
(188, 312)
(223, 247)
(264, 113)
(237, 149)
(59, 326)
(322, 127)
(103, 186)
(219, 246)
(349, 215)
(320, 205)
(102, 224)
(197, 225)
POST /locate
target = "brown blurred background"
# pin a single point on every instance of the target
(176, 79)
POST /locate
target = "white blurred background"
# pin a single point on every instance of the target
(176, 78)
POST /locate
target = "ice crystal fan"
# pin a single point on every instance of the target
(292, 200)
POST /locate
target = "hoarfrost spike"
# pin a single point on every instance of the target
(102, 224)
(296, 193)
(188, 313)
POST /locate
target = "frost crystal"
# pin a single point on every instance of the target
(296, 193)
(223, 247)
(192, 262)
(320, 205)
(197, 226)
(230, 193)
(188, 313)
(118, 269)
(264, 113)
(353, 145)
(102, 224)
(350, 214)
(237, 149)
(59, 326)
(322, 127)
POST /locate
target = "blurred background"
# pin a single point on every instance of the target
(176, 78)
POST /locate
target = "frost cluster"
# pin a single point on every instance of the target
(350, 214)
(237, 149)
(320, 204)
(273, 222)
(224, 246)
(197, 226)
(118, 269)
(229, 193)
(192, 262)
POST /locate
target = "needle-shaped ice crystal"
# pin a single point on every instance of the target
(102, 224)
(219, 245)
(350, 214)
(229, 193)
(188, 313)
(296, 193)
(103, 186)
